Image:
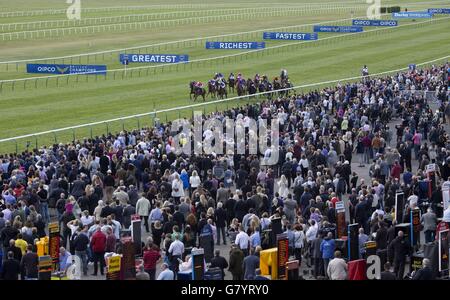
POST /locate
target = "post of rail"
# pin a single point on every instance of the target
(138, 123)
(17, 146)
(55, 138)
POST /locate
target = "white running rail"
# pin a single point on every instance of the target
(63, 31)
(230, 55)
(153, 113)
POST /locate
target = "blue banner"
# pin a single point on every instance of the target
(375, 23)
(343, 29)
(295, 36)
(235, 45)
(439, 10)
(153, 58)
(412, 15)
(66, 69)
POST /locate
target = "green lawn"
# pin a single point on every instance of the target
(38, 108)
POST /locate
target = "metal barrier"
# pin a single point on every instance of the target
(147, 119)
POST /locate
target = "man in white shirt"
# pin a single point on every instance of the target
(311, 233)
(337, 268)
(412, 200)
(176, 251)
(446, 217)
(242, 240)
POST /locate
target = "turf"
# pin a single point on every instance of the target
(37, 107)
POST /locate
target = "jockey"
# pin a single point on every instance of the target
(257, 77)
(222, 83)
(284, 74)
(231, 77)
(239, 77)
(220, 76)
(199, 84)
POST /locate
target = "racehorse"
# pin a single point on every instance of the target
(287, 85)
(251, 87)
(212, 88)
(241, 87)
(231, 83)
(196, 91)
(277, 85)
(221, 88)
(269, 88)
(261, 87)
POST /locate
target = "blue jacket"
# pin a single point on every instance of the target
(327, 248)
(185, 179)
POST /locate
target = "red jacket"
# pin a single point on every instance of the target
(150, 259)
(98, 242)
(396, 171)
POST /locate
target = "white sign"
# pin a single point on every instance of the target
(446, 195)
(374, 267)
(443, 265)
(340, 206)
(430, 168)
(74, 10)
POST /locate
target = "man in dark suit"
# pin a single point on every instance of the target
(382, 236)
(78, 187)
(219, 262)
(17, 253)
(221, 223)
(178, 217)
(11, 268)
(387, 274)
(29, 264)
(426, 273)
(361, 214)
(401, 248)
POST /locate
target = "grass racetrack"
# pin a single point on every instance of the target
(34, 105)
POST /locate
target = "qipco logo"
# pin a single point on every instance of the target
(47, 69)
(388, 23)
(361, 22)
(74, 10)
(374, 10)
